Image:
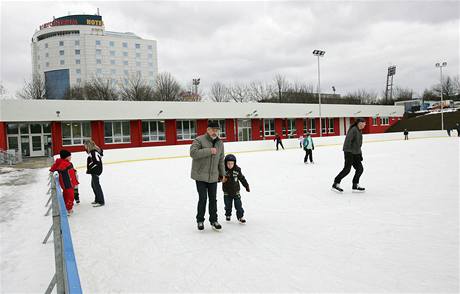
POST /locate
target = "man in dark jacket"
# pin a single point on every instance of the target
(279, 141)
(406, 134)
(207, 152)
(231, 188)
(353, 156)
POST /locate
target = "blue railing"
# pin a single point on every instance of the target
(71, 276)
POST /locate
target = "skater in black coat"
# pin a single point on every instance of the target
(278, 141)
(94, 168)
(458, 129)
(353, 156)
(231, 188)
(406, 134)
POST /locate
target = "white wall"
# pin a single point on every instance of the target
(166, 152)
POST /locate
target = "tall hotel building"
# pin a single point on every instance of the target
(75, 49)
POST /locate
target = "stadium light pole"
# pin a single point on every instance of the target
(441, 65)
(319, 53)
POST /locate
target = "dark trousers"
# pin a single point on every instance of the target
(406, 137)
(301, 145)
(206, 190)
(98, 194)
(308, 153)
(279, 143)
(76, 194)
(229, 200)
(351, 160)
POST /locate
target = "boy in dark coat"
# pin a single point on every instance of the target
(279, 141)
(231, 187)
(67, 177)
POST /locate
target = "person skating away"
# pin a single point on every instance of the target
(406, 134)
(67, 178)
(301, 138)
(75, 189)
(308, 146)
(458, 129)
(231, 187)
(207, 152)
(353, 156)
(94, 168)
(448, 131)
(279, 141)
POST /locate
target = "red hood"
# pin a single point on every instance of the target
(59, 164)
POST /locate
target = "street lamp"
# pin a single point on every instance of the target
(319, 53)
(441, 65)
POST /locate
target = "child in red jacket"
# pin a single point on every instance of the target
(67, 177)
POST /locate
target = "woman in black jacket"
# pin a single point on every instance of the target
(94, 168)
(353, 156)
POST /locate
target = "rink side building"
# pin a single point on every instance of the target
(43, 127)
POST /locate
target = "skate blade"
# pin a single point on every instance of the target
(336, 191)
(216, 230)
(358, 192)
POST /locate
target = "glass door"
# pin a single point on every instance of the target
(36, 145)
(244, 130)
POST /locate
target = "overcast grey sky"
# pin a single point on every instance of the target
(239, 41)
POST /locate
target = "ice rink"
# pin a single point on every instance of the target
(402, 235)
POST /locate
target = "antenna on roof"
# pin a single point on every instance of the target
(98, 11)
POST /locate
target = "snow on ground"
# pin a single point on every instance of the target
(401, 235)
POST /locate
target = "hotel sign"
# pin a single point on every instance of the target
(91, 20)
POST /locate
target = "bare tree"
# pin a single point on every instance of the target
(136, 90)
(166, 87)
(3, 91)
(34, 89)
(100, 89)
(364, 96)
(259, 91)
(281, 86)
(239, 92)
(76, 92)
(449, 88)
(402, 94)
(219, 92)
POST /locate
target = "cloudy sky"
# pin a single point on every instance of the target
(240, 41)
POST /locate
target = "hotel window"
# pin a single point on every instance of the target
(61, 62)
(61, 52)
(47, 64)
(77, 52)
(77, 42)
(222, 132)
(150, 64)
(125, 54)
(126, 81)
(323, 126)
(374, 121)
(384, 121)
(269, 127)
(113, 71)
(112, 61)
(78, 71)
(78, 80)
(112, 53)
(98, 51)
(331, 125)
(98, 61)
(138, 55)
(99, 71)
(139, 73)
(138, 64)
(98, 42)
(39, 66)
(138, 46)
(61, 43)
(75, 133)
(150, 47)
(111, 43)
(125, 45)
(151, 73)
(125, 62)
(77, 61)
(47, 55)
(153, 131)
(117, 132)
(38, 57)
(150, 56)
(126, 72)
(185, 129)
(46, 45)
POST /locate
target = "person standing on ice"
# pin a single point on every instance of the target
(67, 178)
(231, 188)
(353, 156)
(207, 152)
(308, 146)
(406, 134)
(279, 141)
(458, 129)
(94, 168)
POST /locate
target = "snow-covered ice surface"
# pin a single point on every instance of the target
(402, 235)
